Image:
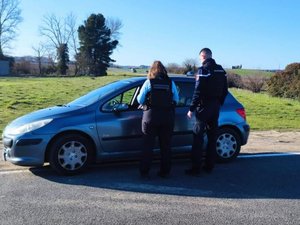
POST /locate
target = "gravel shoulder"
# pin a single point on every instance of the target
(272, 141)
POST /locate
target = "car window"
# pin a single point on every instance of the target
(185, 92)
(126, 98)
(95, 95)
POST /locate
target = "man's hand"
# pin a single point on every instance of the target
(189, 114)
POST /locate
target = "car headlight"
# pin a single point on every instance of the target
(30, 126)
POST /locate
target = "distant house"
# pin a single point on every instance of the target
(133, 70)
(4, 67)
(237, 67)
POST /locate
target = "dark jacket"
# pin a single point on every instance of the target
(159, 108)
(160, 95)
(211, 84)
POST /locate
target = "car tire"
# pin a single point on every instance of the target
(228, 145)
(70, 154)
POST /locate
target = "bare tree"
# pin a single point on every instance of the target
(115, 25)
(190, 65)
(255, 83)
(40, 51)
(10, 17)
(72, 27)
(58, 32)
(55, 30)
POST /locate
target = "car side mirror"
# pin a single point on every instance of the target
(120, 107)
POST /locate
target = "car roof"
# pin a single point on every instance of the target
(182, 78)
(174, 77)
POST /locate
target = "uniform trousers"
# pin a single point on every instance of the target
(207, 116)
(157, 123)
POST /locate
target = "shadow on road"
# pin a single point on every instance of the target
(251, 178)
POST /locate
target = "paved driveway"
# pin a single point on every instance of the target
(250, 190)
(247, 191)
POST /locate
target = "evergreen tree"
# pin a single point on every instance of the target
(63, 58)
(96, 46)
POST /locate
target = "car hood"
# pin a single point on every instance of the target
(51, 112)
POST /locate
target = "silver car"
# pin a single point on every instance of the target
(105, 124)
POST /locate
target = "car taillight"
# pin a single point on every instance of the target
(242, 113)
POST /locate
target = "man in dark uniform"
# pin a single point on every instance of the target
(158, 96)
(209, 94)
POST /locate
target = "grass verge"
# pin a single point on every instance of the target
(19, 96)
(269, 113)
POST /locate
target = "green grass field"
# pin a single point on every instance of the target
(249, 72)
(269, 113)
(121, 71)
(19, 96)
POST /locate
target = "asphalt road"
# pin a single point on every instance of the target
(259, 190)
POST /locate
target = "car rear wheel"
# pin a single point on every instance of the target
(228, 145)
(70, 154)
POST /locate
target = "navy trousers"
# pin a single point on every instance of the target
(207, 116)
(157, 123)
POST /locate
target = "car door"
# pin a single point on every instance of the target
(119, 123)
(182, 136)
(120, 129)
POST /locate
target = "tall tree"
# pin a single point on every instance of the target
(96, 46)
(58, 32)
(10, 17)
(63, 59)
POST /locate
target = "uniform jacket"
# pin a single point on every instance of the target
(211, 83)
(146, 88)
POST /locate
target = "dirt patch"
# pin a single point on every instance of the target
(272, 141)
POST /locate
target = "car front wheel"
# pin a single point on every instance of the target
(70, 154)
(228, 145)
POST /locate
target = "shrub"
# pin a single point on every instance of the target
(49, 70)
(22, 67)
(234, 80)
(175, 68)
(254, 83)
(286, 83)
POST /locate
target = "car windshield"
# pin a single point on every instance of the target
(95, 95)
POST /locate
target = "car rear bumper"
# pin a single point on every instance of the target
(245, 133)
